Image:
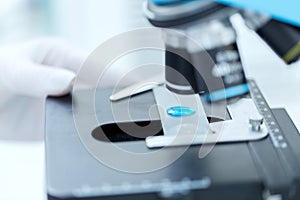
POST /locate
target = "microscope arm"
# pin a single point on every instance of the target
(284, 11)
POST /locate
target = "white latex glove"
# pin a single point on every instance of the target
(39, 68)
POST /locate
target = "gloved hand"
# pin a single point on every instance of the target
(49, 66)
(39, 68)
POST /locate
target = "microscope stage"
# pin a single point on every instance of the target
(260, 169)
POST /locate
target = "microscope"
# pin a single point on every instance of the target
(202, 56)
(208, 24)
(210, 133)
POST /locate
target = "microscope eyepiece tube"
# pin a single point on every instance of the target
(284, 39)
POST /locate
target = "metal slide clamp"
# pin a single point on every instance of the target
(246, 123)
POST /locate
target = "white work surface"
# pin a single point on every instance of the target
(22, 120)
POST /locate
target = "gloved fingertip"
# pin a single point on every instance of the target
(62, 84)
(66, 90)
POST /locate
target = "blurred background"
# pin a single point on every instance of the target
(84, 23)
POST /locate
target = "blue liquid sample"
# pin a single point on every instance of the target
(180, 111)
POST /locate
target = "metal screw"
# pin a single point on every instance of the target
(256, 122)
